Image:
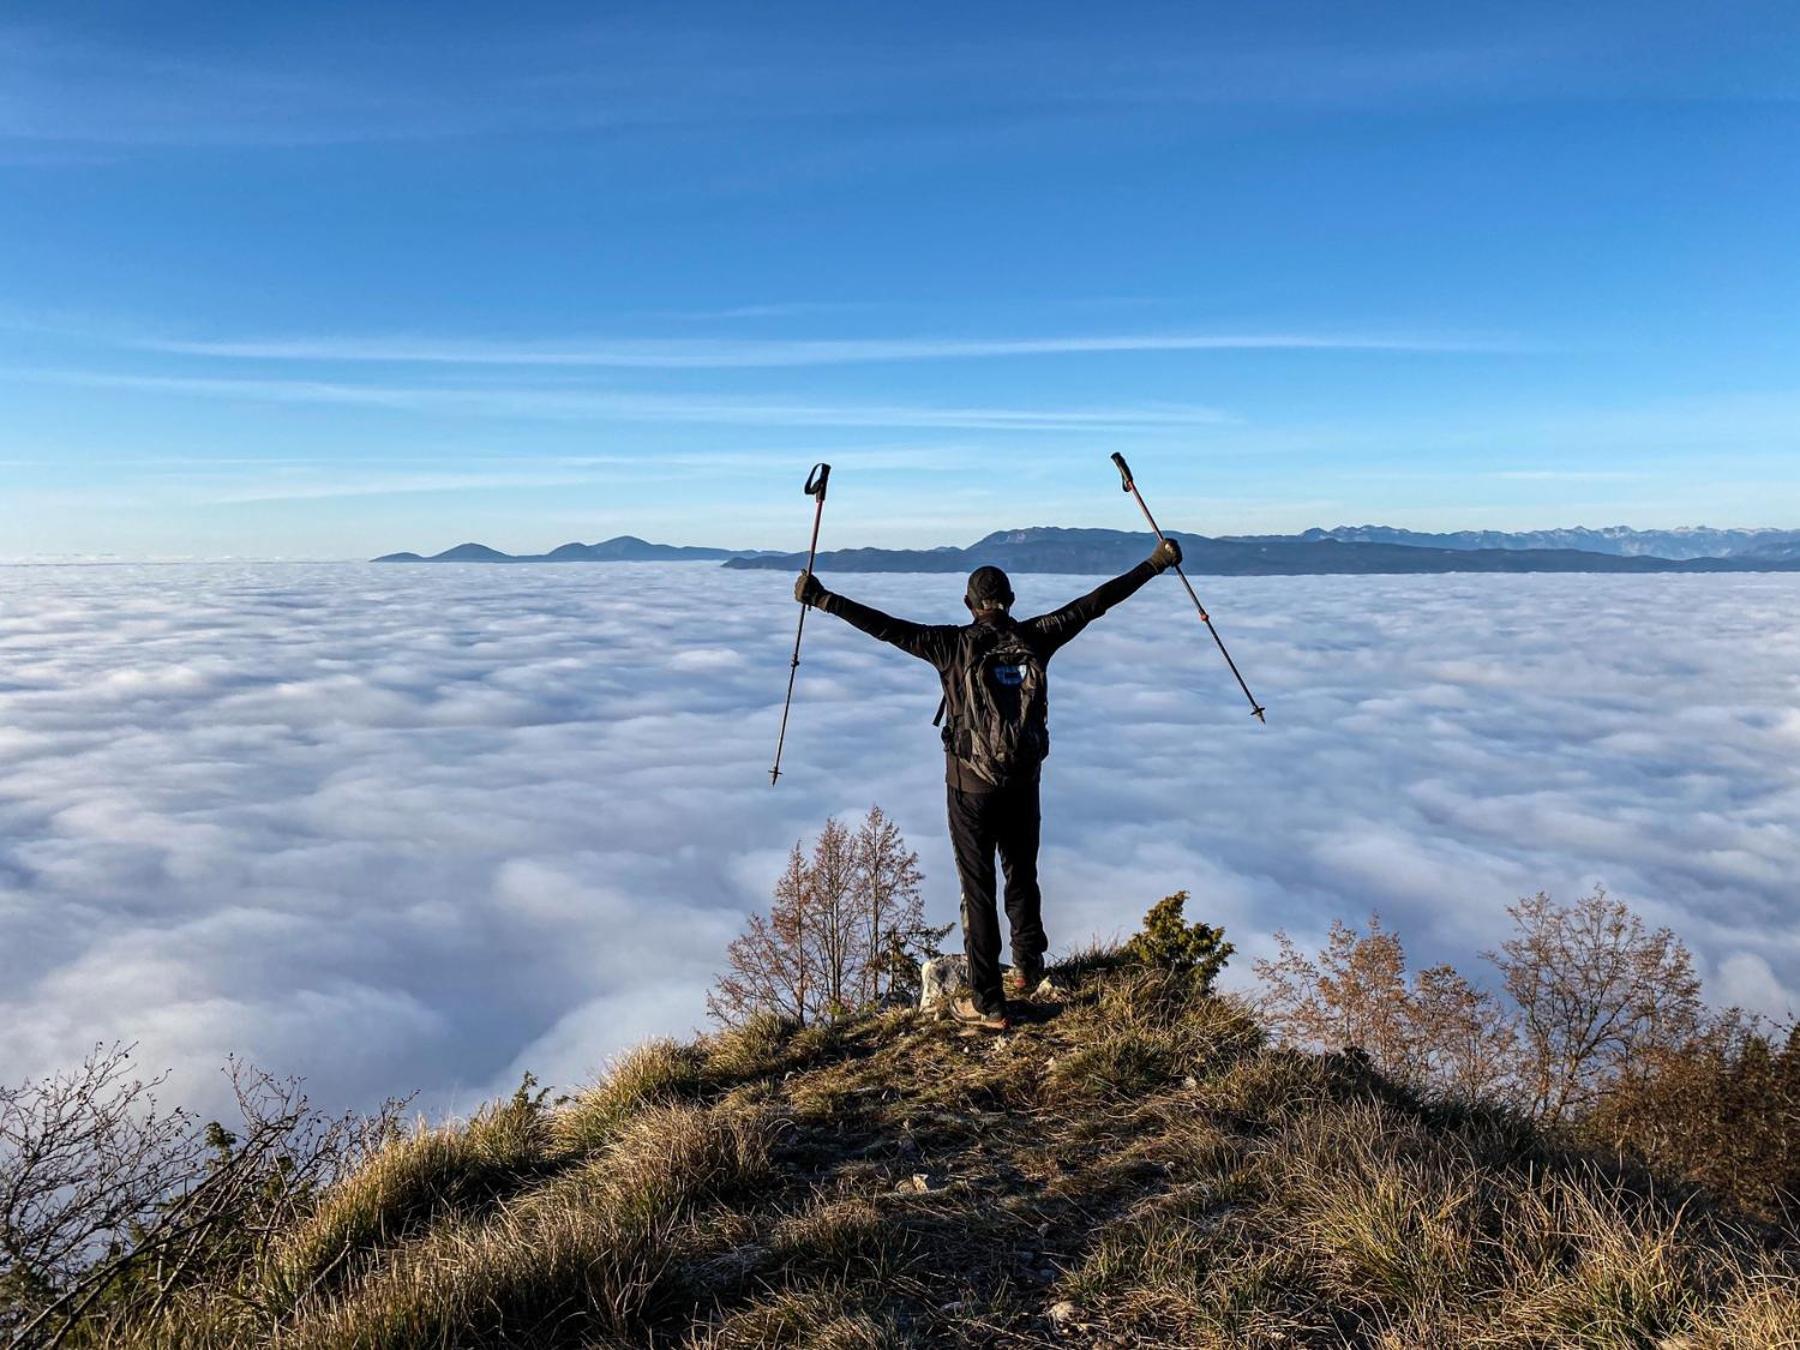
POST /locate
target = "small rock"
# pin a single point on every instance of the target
(955, 1307)
(1050, 986)
(1190, 1082)
(1063, 1315)
(920, 1183)
(941, 979)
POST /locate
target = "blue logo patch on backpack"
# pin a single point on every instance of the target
(1008, 677)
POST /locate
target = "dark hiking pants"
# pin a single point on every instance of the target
(981, 823)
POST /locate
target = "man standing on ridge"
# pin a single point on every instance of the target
(995, 734)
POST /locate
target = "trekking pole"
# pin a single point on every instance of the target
(1256, 709)
(815, 488)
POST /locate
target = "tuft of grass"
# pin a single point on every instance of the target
(816, 1040)
(1082, 964)
(1146, 1028)
(1119, 1064)
(1762, 1311)
(590, 1254)
(408, 1185)
(1602, 1264)
(673, 1157)
(1385, 1208)
(657, 1072)
(755, 1049)
(1161, 1253)
(822, 1315)
(850, 1237)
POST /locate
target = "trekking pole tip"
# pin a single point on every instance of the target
(1257, 713)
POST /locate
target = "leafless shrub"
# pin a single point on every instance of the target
(1437, 1029)
(84, 1156)
(111, 1205)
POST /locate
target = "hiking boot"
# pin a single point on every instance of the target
(1021, 981)
(964, 1010)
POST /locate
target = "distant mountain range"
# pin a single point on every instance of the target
(622, 548)
(1358, 549)
(1697, 541)
(1048, 549)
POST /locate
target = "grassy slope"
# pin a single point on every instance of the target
(1133, 1167)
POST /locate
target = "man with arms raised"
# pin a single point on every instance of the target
(996, 734)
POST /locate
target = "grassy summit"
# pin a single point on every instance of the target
(1132, 1166)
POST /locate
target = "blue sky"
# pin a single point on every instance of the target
(323, 280)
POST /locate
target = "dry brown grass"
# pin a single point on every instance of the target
(593, 1252)
(1137, 1152)
(658, 1071)
(434, 1173)
(759, 1046)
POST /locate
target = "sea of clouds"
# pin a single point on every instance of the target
(399, 828)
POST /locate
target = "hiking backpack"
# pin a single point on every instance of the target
(1000, 727)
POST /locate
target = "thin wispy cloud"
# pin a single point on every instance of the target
(1562, 475)
(734, 353)
(247, 482)
(563, 404)
(391, 485)
(773, 309)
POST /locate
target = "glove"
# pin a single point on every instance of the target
(807, 589)
(1165, 555)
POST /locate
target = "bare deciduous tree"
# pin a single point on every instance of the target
(1463, 1040)
(1594, 988)
(838, 935)
(888, 873)
(766, 966)
(1353, 995)
(842, 932)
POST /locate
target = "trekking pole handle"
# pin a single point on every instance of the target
(1124, 471)
(816, 480)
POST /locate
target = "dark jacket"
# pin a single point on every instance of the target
(948, 647)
